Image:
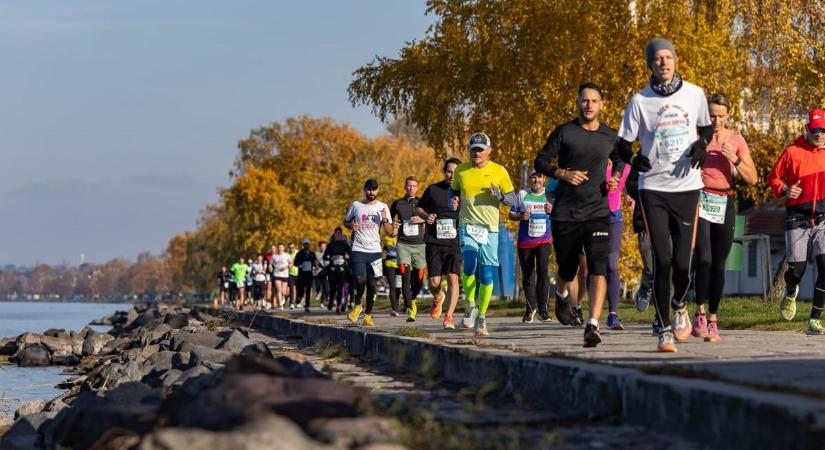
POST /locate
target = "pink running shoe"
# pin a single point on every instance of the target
(700, 325)
(713, 333)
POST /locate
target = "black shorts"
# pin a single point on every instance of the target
(443, 260)
(291, 282)
(569, 238)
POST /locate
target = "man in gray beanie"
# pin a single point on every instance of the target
(670, 119)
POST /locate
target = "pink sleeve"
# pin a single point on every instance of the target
(741, 145)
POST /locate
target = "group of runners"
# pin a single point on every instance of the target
(680, 185)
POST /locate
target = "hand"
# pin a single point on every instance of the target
(431, 218)
(384, 216)
(640, 163)
(495, 192)
(416, 219)
(612, 184)
(525, 215)
(794, 191)
(548, 208)
(355, 226)
(729, 151)
(575, 177)
(455, 203)
(698, 152)
(629, 201)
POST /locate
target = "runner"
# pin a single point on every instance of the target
(443, 249)
(797, 175)
(280, 274)
(581, 215)
(670, 119)
(224, 280)
(391, 274)
(321, 281)
(412, 262)
(532, 211)
(728, 155)
(292, 282)
(305, 262)
(239, 270)
(337, 254)
(270, 281)
(483, 185)
(616, 233)
(364, 218)
(258, 280)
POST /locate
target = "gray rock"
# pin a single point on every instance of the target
(176, 321)
(94, 342)
(193, 372)
(210, 340)
(182, 360)
(28, 338)
(23, 435)
(235, 342)
(34, 406)
(145, 318)
(269, 432)
(156, 335)
(206, 354)
(131, 316)
(60, 333)
(118, 344)
(169, 377)
(158, 362)
(85, 332)
(8, 346)
(257, 348)
(32, 355)
(60, 348)
(351, 432)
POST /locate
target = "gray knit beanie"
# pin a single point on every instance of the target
(654, 46)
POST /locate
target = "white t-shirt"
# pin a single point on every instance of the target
(368, 217)
(666, 127)
(258, 272)
(280, 265)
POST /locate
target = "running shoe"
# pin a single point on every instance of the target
(470, 315)
(411, 312)
(578, 317)
(291, 306)
(787, 308)
(592, 337)
(713, 333)
(815, 327)
(306, 309)
(529, 315)
(657, 327)
(681, 323)
(563, 310)
(393, 313)
(666, 344)
(368, 321)
(613, 322)
(438, 302)
(481, 327)
(700, 326)
(642, 299)
(353, 315)
(448, 322)
(544, 316)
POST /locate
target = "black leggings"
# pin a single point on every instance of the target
(713, 242)
(412, 280)
(390, 273)
(336, 283)
(304, 283)
(536, 259)
(794, 274)
(670, 218)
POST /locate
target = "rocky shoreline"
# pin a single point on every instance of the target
(167, 377)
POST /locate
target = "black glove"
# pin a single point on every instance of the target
(640, 163)
(698, 152)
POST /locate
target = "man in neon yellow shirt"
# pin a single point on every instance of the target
(483, 186)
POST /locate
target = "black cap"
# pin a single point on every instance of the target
(479, 140)
(371, 185)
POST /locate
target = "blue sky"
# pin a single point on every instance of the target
(120, 118)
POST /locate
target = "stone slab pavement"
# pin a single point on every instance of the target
(783, 359)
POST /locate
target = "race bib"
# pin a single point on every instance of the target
(537, 227)
(338, 260)
(377, 268)
(306, 266)
(673, 134)
(398, 281)
(712, 207)
(226, 285)
(478, 233)
(410, 228)
(445, 229)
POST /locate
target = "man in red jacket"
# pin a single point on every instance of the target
(799, 176)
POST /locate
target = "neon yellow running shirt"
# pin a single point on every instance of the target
(478, 206)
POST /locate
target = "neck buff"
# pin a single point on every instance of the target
(666, 89)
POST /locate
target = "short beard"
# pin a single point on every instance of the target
(370, 197)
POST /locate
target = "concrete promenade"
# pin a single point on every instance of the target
(754, 388)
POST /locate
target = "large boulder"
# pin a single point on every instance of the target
(352, 432)
(156, 335)
(158, 362)
(235, 342)
(27, 338)
(32, 407)
(176, 321)
(8, 346)
(286, 365)
(60, 333)
(61, 349)
(184, 342)
(117, 345)
(33, 355)
(94, 343)
(206, 354)
(24, 434)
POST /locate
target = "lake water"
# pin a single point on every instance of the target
(22, 384)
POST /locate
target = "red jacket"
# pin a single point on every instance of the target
(805, 163)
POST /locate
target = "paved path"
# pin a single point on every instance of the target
(767, 358)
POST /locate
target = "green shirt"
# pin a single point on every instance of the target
(293, 270)
(239, 272)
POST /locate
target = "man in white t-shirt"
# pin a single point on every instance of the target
(670, 119)
(365, 218)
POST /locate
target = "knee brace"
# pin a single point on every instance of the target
(420, 274)
(488, 274)
(402, 268)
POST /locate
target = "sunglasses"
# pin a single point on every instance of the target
(817, 131)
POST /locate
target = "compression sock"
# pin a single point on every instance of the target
(485, 293)
(469, 283)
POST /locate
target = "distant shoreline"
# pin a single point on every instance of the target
(86, 301)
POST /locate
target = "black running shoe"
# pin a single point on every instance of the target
(592, 337)
(528, 316)
(563, 310)
(657, 327)
(577, 318)
(544, 316)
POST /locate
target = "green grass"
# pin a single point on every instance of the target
(735, 313)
